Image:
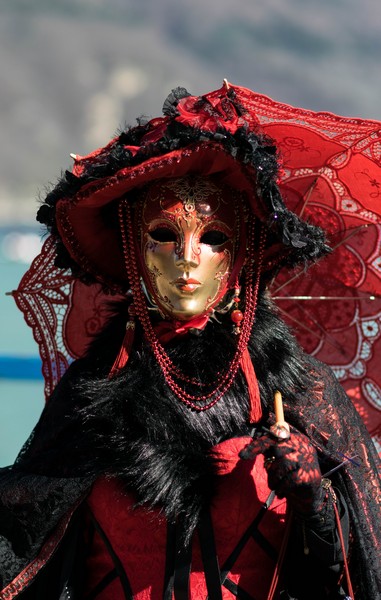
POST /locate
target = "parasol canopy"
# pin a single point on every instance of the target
(331, 177)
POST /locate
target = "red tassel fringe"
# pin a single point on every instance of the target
(125, 350)
(252, 384)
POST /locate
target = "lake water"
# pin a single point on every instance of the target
(21, 400)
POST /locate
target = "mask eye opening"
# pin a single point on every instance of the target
(214, 237)
(163, 235)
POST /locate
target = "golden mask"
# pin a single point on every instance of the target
(188, 235)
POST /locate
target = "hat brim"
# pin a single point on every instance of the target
(93, 240)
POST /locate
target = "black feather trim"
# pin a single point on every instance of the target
(303, 242)
(171, 101)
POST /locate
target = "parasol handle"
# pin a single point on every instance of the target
(281, 428)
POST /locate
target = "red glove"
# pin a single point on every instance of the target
(293, 470)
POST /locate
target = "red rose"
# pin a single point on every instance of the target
(209, 113)
(157, 131)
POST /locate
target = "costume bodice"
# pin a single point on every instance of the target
(130, 547)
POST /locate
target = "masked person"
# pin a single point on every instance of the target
(155, 469)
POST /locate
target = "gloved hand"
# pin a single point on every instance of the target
(293, 470)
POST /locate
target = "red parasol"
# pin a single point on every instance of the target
(331, 176)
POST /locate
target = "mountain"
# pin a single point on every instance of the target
(72, 72)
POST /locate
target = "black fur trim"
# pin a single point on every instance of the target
(134, 428)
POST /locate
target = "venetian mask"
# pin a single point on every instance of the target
(189, 230)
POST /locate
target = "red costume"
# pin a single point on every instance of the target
(139, 538)
(158, 467)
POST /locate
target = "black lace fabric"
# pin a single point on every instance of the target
(336, 430)
(33, 508)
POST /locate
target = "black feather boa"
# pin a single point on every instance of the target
(133, 427)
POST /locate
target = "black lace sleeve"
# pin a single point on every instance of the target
(329, 418)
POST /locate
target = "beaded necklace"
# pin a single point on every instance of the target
(172, 374)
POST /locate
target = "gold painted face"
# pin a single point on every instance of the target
(189, 230)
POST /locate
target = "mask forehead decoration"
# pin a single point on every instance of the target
(189, 229)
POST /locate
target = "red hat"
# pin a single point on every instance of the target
(216, 134)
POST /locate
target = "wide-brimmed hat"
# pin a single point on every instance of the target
(212, 135)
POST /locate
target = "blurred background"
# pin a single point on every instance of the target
(73, 72)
